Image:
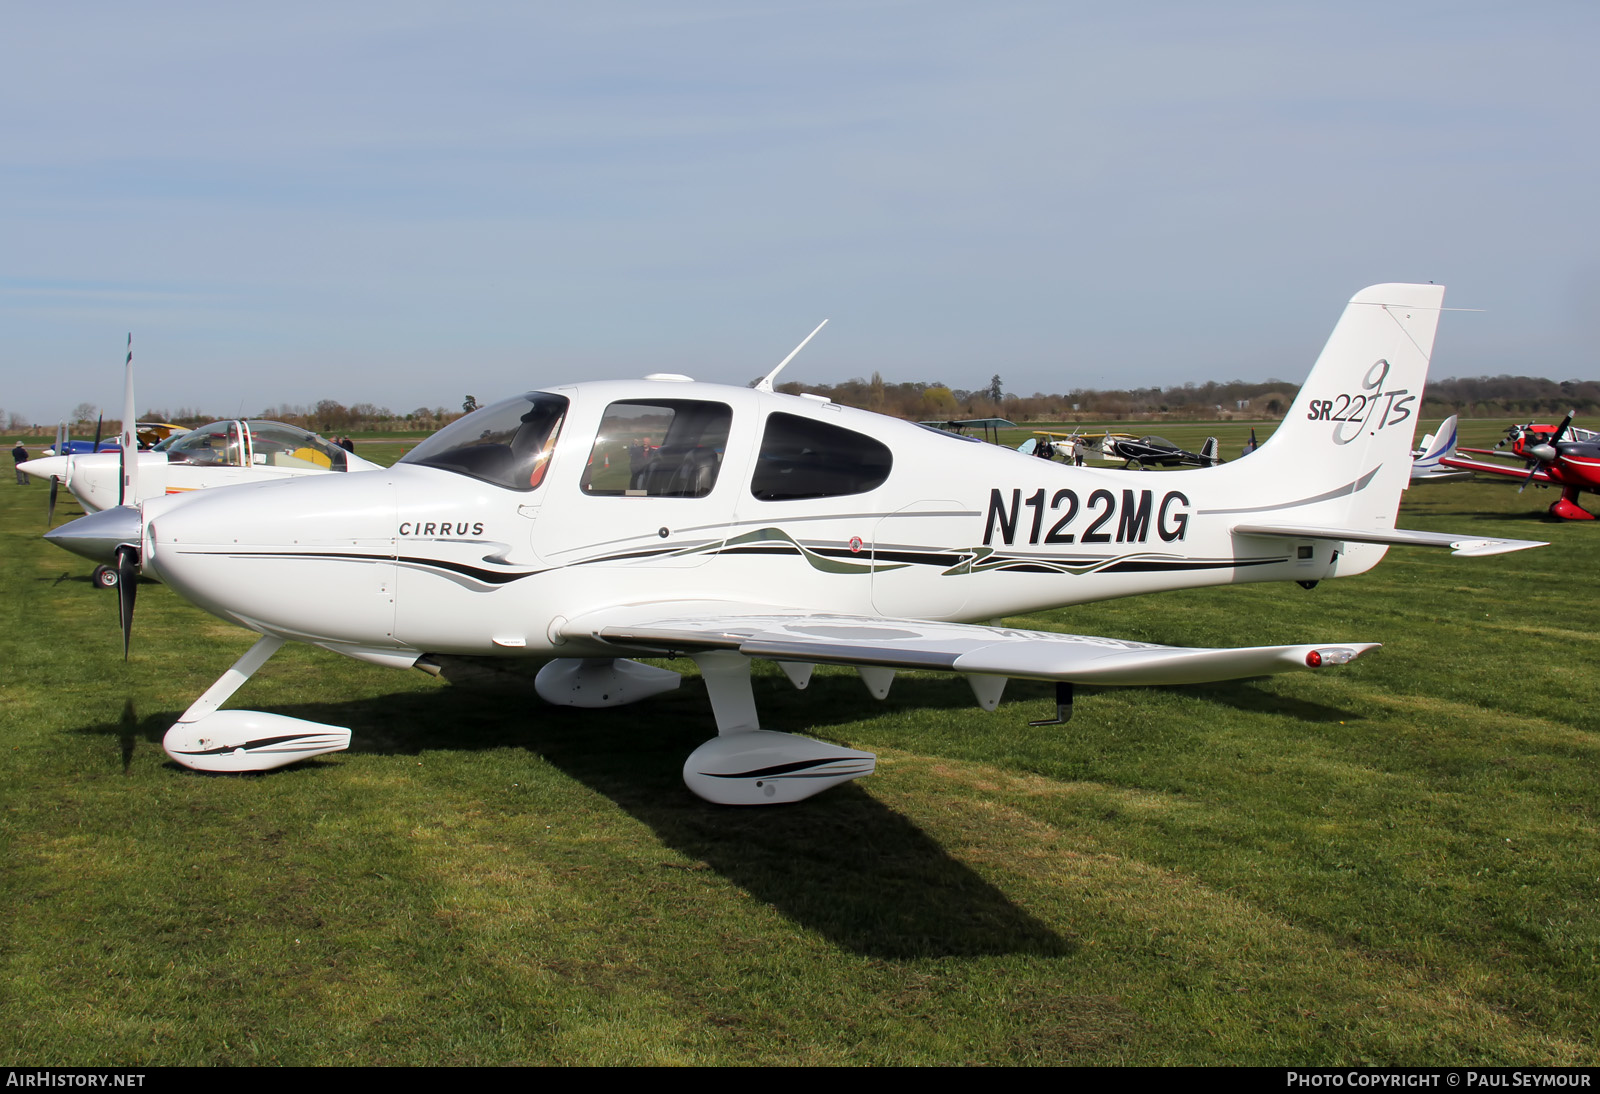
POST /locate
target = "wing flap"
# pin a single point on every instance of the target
(949, 647)
(1465, 545)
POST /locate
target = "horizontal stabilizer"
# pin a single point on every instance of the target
(1467, 546)
(948, 647)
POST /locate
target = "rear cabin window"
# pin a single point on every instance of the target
(804, 458)
(667, 448)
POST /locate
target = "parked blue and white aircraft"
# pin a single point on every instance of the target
(592, 523)
(1426, 465)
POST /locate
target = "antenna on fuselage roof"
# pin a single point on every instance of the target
(766, 381)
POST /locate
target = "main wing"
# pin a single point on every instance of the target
(1495, 469)
(795, 636)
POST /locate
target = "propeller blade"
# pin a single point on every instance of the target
(99, 423)
(1562, 428)
(50, 509)
(128, 465)
(127, 591)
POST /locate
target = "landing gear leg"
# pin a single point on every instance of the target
(747, 765)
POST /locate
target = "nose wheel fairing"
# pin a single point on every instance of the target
(208, 739)
(250, 740)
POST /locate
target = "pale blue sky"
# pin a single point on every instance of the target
(402, 203)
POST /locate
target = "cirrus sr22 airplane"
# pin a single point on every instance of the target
(599, 522)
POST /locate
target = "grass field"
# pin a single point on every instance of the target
(1394, 862)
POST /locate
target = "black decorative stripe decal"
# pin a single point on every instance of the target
(944, 559)
(1340, 492)
(264, 743)
(1143, 566)
(778, 769)
(954, 563)
(626, 555)
(488, 577)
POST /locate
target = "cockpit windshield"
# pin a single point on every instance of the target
(262, 444)
(219, 444)
(507, 443)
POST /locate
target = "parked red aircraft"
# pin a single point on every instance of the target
(1559, 456)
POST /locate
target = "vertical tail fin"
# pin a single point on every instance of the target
(1346, 441)
(1442, 444)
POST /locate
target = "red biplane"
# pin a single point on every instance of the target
(1560, 456)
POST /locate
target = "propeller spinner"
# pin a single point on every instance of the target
(1543, 453)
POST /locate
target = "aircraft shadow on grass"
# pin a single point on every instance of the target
(1491, 489)
(844, 865)
(1255, 701)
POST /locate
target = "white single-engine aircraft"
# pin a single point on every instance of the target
(220, 454)
(593, 523)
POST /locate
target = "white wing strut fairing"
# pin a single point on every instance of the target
(589, 524)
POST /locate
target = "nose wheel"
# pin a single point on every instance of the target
(105, 577)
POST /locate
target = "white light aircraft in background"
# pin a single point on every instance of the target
(219, 454)
(598, 522)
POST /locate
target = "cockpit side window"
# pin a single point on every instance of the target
(217, 445)
(507, 443)
(664, 448)
(805, 458)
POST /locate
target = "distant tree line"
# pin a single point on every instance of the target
(1518, 397)
(940, 402)
(1479, 397)
(1510, 397)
